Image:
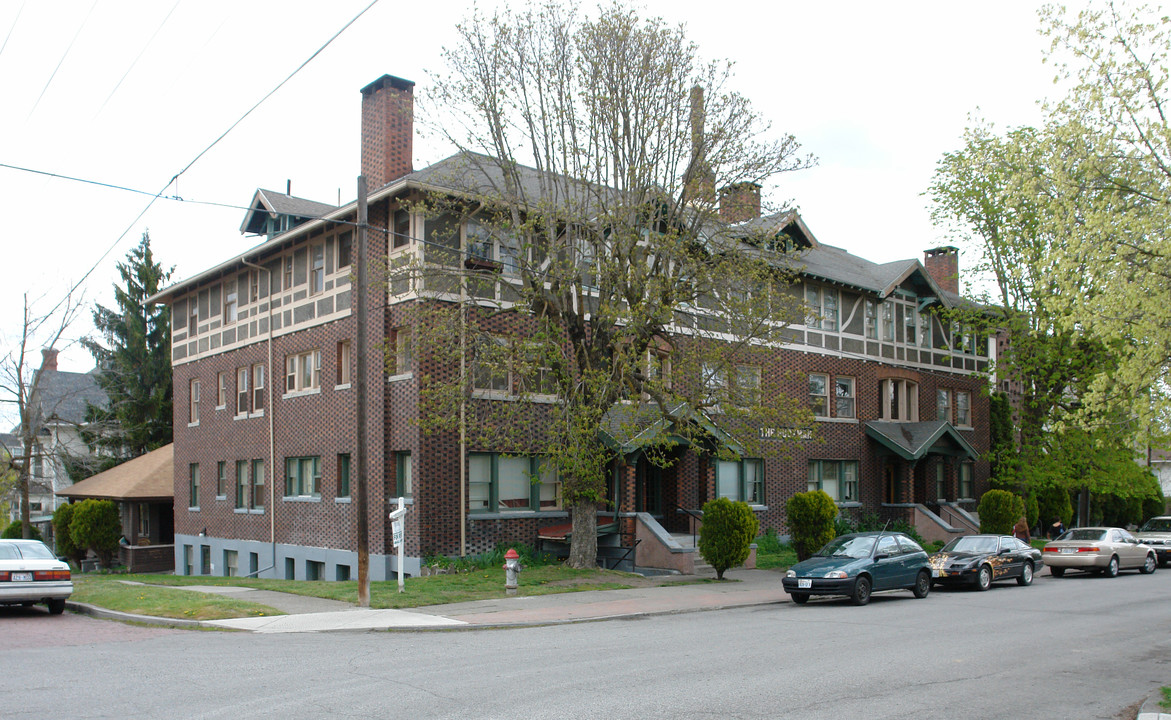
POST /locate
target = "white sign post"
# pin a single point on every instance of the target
(396, 533)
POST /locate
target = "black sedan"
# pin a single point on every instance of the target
(980, 560)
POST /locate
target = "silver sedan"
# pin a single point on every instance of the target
(1103, 550)
(30, 574)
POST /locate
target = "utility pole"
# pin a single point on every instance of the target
(360, 398)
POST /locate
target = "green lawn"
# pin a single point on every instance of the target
(772, 554)
(155, 599)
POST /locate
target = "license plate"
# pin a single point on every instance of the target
(1068, 551)
(804, 583)
(22, 577)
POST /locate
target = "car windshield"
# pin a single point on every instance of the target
(36, 550)
(1160, 524)
(1084, 534)
(972, 544)
(848, 546)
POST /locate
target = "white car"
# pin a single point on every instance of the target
(31, 574)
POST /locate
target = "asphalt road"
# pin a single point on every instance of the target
(1081, 647)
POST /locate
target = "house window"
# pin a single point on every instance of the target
(343, 362)
(909, 318)
(205, 559)
(943, 405)
(490, 368)
(924, 330)
(231, 304)
(222, 390)
(193, 321)
(221, 479)
(402, 473)
(188, 560)
(316, 268)
(314, 570)
(402, 350)
(479, 242)
(871, 320)
(257, 387)
(303, 476)
(144, 520)
(257, 499)
(242, 484)
(836, 478)
(822, 307)
(740, 480)
(844, 397)
(193, 412)
(345, 249)
(242, 394)
(819, 394)
(253, 286)
(899, 399)
(506, 483)
(888, 320)
(303, 371)
(402, 229)
(343, 475)
(747, 385)
(536, 377)
(193, 487)
(940, 481)
(966, 480)
(289, 272)
(963, 409)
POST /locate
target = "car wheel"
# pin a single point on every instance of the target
(861, 594)
(800, 598)
(1026, 576)
(56, 607)
(984, 578)
(922, 584)
(1112, 569)
(1150, 565)
(1057, 572)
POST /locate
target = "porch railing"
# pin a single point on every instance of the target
(695, 516)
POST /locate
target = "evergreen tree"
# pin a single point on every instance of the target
(133, 359)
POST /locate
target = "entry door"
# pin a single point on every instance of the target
(649, 488)
(889, 486)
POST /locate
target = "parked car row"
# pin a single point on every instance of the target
(31, 574)
(858, 564)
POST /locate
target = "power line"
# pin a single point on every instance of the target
(136, 59)
(62, 60)
(12, 29)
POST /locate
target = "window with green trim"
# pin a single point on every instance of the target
(741, 480)
(836, 478)
(343, 475)
(500, 483)
(303, 476)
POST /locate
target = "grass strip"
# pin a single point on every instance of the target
(108, 592)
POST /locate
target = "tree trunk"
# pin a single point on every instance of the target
(25, 482)
(583, 543)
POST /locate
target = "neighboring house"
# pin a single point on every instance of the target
(263, 357)
(1159, 461)
(144, 491)
(59, 405)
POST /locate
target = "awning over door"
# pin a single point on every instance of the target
(912, 441)
(626, 429)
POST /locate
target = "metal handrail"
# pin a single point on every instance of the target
(626, 554)
(694, 515)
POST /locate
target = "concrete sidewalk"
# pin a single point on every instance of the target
(305, 614)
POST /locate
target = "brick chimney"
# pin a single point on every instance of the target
(943, 265)
(48, 359)
(740, 202)
(388, 112)
(702, 186)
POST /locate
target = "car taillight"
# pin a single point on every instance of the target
(1049, 549)
(3, 576)
(51, 575)
(1088, 549)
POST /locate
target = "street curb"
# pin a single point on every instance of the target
(107, 614)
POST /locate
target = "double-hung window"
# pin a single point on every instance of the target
(316, 268)
(966, 480)
(819, 394)
(836, 478)
(747, 385)
(822, 307)
(844, 397)
(402, 350)
(193, 410)
(231, 303)
(303, 371)
(345, 249)
(303, 476)
(924, 330)
(242, 393)
(505, 483)
(943, 405)
(888, 320)
(222, 390)
(871, 320)
(491, 371)
(899, 399)
(221, 479)
(193, 487)
(402, 474)
(256, 502)
(343, 475)
(257, 387)
(402, 229)
(344, 359)
(963, 409)
(909, 327)
(741, 480)
(243, 482)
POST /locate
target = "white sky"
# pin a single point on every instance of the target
(128, 93)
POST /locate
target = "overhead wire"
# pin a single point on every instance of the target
(137, 58)
(62, 60)
(12, 29)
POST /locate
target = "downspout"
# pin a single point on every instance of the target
(271, 433)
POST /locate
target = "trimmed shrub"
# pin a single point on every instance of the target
(1053, 502)
(727, 531)
(811, 521)
(15, 531)
(96, 526)
(62, 517)
(999, 511)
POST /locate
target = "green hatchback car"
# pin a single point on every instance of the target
(860, 563)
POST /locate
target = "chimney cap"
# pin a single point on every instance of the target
(941, 250)
(395, 82)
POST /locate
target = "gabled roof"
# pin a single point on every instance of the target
(271, 203)
(627, 428)
(912, 441)
(62, 396)
(147, 477)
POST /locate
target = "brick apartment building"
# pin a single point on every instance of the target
(263, 354)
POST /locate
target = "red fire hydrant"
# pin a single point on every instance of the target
(511, 570)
